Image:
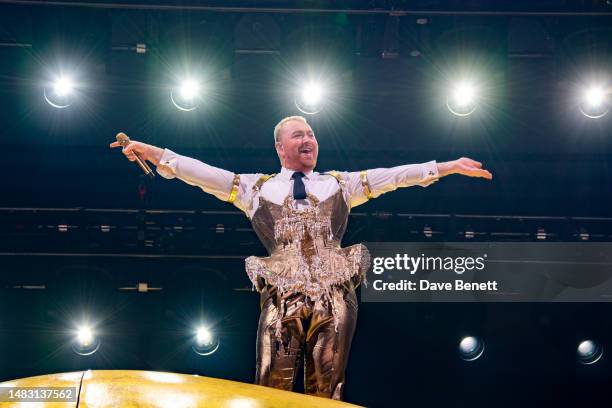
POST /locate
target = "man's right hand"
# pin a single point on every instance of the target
(145, 151)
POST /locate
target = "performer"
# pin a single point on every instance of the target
(307, 284)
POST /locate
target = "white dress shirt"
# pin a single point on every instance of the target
(219, 182)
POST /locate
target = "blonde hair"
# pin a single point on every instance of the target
(280, 124)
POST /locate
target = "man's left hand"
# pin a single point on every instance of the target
(464, 166)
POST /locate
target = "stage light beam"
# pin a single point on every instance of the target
(594, 97)
(310, 98)
(85, 336)
(464, 94)
(203, 336)
(594, 102)
(189, 89)
(462, 99)
(61, 92)
(312, 93)
(187, 95)
(85, 341)
(205, 341)
(63, 86)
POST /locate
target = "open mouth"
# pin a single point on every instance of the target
(306, 150)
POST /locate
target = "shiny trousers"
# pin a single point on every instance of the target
(308, 333)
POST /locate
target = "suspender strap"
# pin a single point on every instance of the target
(262, 180)
(336, 175)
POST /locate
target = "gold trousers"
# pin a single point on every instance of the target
(307, 332)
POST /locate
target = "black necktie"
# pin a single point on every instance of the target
(299, 190)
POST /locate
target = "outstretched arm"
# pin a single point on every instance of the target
(372, 183)
(223, 184)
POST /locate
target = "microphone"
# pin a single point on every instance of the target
(124, 140)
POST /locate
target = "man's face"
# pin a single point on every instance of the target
(297, 146)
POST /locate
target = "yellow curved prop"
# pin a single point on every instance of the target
(147, 389)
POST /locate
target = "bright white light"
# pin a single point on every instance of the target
(85, 336)
(63, 86)
(464, 94)
(471, 348)
(586, 347)
(589, 352)
(203, 336)
(85, 342)
(60, 93)
(462, 99)
(594, 103)
(186, 95)
(594, 96)
(310, 98)
(189, 89)
(312, 94)
(205, 342)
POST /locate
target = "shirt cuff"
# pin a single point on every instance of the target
(167, 164)
(429, 173)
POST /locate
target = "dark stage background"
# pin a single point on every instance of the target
(78, 221)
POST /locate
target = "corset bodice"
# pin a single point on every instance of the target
(304, 247)
(280, 227)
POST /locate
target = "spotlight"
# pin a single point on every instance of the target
(589, 352)
(462, 100)
(310, 98)
(189, 89)
(471, 348)
(60, 94)
(85, 342)
(186, 95)
(205, 342)
(594, 96)
(594, 102)
(63, 86)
